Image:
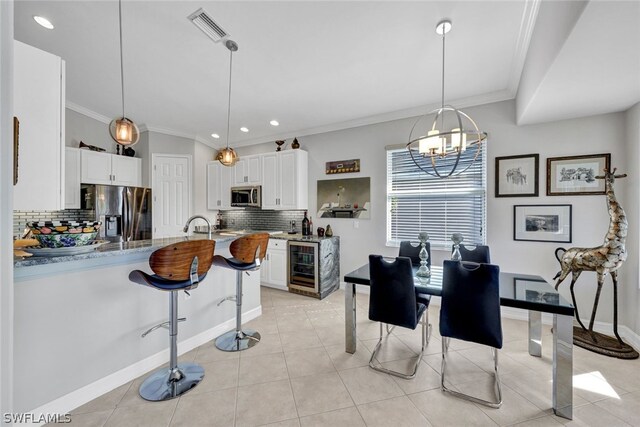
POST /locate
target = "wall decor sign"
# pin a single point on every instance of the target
(576, 175)
(542, 223)
(343, 166)
(344, 198)
(517, 176)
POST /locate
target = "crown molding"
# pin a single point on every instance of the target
(527, 25)
(87, 112)
(488, 98)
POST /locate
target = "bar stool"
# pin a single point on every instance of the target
(178, 267)
(247, 254)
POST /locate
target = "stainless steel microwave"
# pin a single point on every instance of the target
(246, 196)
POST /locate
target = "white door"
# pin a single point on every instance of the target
(171, 189)
(126, 171)
(270, 181)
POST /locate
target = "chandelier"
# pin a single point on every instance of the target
(228, 156)
(452, 141)
(123, 130)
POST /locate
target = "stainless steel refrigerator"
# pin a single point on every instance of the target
(125, 212)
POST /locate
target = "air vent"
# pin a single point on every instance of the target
(202, 20)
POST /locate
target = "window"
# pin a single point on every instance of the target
(417, 201)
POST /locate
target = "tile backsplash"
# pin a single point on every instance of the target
(256, 219)
(21, 218)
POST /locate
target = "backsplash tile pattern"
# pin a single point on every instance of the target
(21, 218)
(256, 219)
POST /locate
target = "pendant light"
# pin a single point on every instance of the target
(436, 150)
(228, 156)
(123, 130)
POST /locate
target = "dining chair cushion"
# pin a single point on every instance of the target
(470, 309)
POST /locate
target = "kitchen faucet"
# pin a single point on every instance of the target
(186, 226)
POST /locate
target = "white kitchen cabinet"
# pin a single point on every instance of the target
(110, 169)
(248, 171)
(219, 179)
(273, 271)
(39, 97)
(284, 180)
(72, 178)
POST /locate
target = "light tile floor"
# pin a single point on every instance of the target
(300, 375)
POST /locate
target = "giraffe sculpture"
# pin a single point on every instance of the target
(604, 259)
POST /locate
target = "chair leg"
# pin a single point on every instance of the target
(179, 378)
(372, 365)
(496, 376)
(238, 339)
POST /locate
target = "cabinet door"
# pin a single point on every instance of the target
(226, 178)
(126, 171)
(240, 172)
(288, 180)
(95, 167)
(264, 268)
(253, 170)
(72, 178)
(270, 182)
(213, 185)
(278, 267)
(38, 93)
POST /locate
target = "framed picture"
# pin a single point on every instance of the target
(542, 223)
(343, 166)
(16, 148)
(344, 198)
(576, 175)
(517, 176)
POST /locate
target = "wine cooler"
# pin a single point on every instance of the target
(303, 268)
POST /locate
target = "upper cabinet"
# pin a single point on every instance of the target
(39, 96)
(248, 171)
(72, 178)
(284, 180)
(110, 169)
(219, 179)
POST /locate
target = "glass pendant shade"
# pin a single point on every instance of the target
(227, 156)
(124, 131)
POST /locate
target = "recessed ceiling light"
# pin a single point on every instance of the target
(43, 21)
(274, 123)
(244, 129)
(215, 135)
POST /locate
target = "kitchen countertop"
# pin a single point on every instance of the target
(143, 246)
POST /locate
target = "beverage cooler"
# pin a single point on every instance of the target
(303, 268)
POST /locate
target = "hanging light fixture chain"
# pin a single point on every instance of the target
(121, 62)
(229, 97)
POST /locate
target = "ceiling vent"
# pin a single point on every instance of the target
(202, 20)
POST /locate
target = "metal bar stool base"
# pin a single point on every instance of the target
(165, 384)
(237, 340)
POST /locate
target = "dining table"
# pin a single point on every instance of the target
(522, 291)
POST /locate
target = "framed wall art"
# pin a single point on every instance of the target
(576, 175)
(343, 166)
(517, 176)
(16, 148)
(542, 223)
(344, 198)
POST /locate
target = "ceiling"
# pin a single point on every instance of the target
(312, 65)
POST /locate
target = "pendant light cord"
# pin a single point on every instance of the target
(443, 36)
(229, 98)
(121, 62)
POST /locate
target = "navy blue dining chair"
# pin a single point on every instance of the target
(470, 311)
(412, 250)
(479, 253)
(392, 300)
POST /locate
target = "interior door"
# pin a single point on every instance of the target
(171, 189)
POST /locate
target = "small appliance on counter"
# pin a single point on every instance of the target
(125, 212)
(292, 227)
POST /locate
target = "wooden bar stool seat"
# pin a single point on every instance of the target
(247, 253)
(177, 267)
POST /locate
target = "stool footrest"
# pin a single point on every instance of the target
(229, 298)
(164, 325)
(166, 383)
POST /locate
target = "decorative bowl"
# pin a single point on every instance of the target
(62, 234)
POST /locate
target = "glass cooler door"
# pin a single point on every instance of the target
(303, 266)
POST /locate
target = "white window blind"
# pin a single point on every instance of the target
(417, 201)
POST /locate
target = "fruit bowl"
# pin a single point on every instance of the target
(63, 234)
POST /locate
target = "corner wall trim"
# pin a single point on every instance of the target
(70, 401)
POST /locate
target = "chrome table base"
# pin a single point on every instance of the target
(237, 341)
(165, 384)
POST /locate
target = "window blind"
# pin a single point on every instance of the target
(417, 201)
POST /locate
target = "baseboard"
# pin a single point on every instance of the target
(272, 286)
(68, 402)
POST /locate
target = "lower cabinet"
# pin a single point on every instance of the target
(273, 272)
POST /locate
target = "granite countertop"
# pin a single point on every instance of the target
(142, 246)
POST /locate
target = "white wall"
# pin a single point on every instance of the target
(6, 210)
(590, 135)
(88, 130)
(629, 273)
